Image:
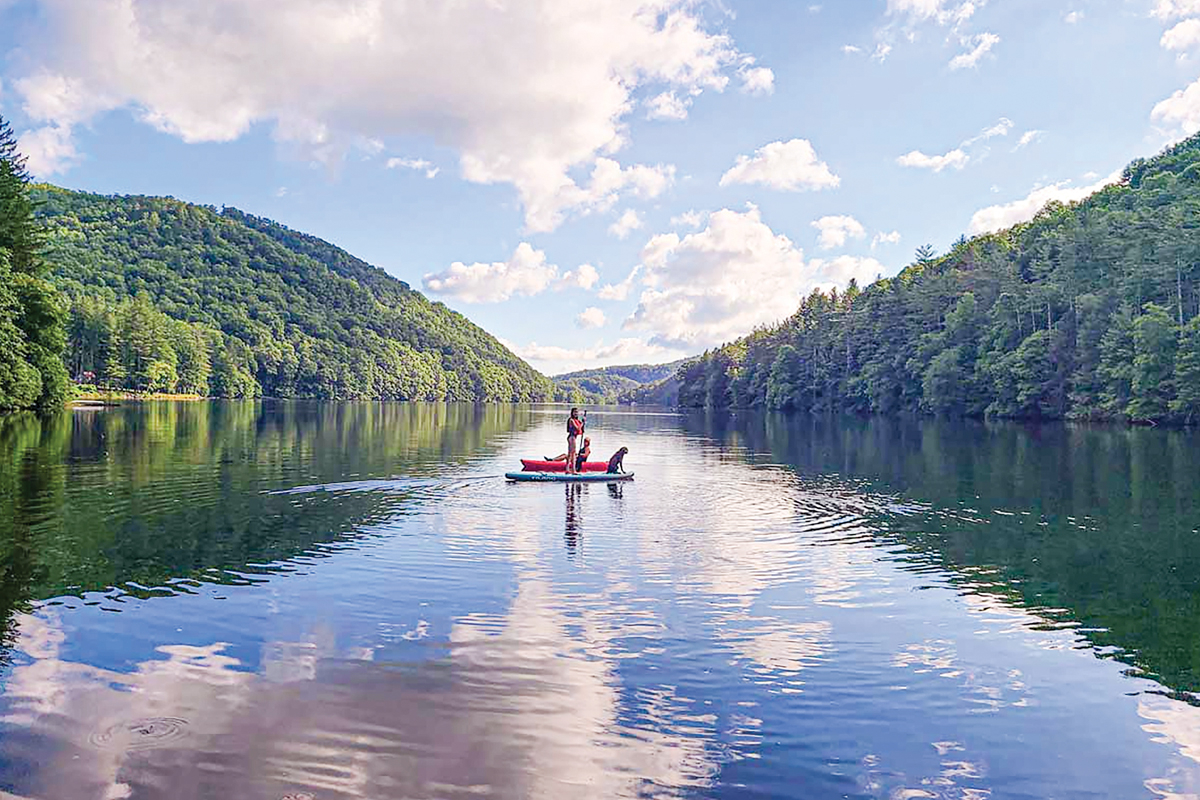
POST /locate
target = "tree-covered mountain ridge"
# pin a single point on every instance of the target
(1090, 310)
(610, 384)
(167, 295)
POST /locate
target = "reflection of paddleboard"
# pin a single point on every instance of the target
(588, 477)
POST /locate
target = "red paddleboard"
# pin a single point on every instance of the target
(537, 465)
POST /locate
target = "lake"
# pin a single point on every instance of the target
(306, 600)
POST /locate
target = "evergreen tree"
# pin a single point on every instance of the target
(32, 333)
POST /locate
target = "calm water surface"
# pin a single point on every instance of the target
(248, 600)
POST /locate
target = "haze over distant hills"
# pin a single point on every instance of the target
(611, 384)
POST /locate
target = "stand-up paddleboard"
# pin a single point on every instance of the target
(585, 477)
(539, 465)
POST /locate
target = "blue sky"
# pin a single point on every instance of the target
(602, 183)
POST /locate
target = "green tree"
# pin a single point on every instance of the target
(1187, 373)
(33, 336)
(1154, 344)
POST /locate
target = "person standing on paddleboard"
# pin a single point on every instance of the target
(575, 427)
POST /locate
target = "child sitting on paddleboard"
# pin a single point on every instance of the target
(582, 457)
(616, 464)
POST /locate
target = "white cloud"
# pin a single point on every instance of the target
(835, 273)
(834, 230)
(626, 224)
(757, 80)
(555, 359)
(940, 11)
(882, 51)
(955, 158)
(689, 219)
(582, 277)
(788, 166)
(668, 105)
(590, 317)
(1001, 128)
(1072, 17)
(610, 180)
(1181, 109)
(49, 150)
(980, 44)
(999, 217)
(1172, 9)
(1183, 36)
(717, 284)
(885, 238)
(524, 99)
(1028, 138)
(525, 273)
(419, 164)
(619, 291)
(850, 48)
(282, 191)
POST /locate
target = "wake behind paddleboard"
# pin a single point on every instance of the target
(587, 477)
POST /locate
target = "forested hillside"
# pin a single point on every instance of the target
(168, 296)
(1090, 310)
(31, 324)
(610, 384)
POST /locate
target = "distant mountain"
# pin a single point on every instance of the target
(610, 384)
(171, 296)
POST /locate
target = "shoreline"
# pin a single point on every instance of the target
(97, 397)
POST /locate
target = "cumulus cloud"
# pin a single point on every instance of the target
(885, 238)
(582, 277)
(717, 284)
(626, 224)
(757, 80)
(850, 49)
(619, 291)
(689, 219)
(555, 359)
(788, 166)
(1172, 9)
(980, 45)
(1072, 17)
(49, 150)
(882, 51)
(525, 273)
(956, 158)
(590, 317)
(999, 217)
(418, 164)
(524, 99)
(836, 273)
(1183, 36)
(835, 230)
(1181, 109)
(668, 105)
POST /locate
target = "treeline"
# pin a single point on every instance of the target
(31, 319)
(1090, 310)
(132, 345)
(159, 287)
(609, 384)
